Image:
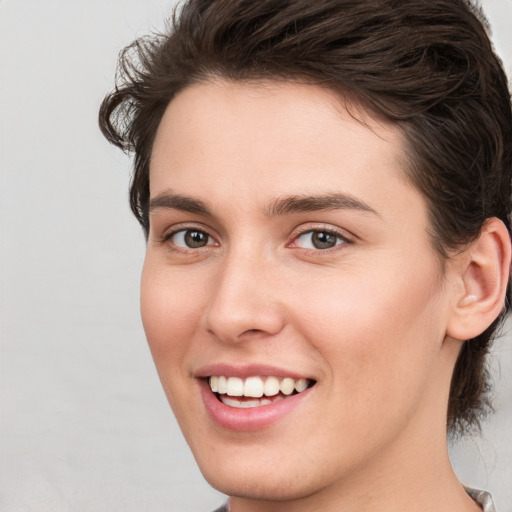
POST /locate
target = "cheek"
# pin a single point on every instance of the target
(379, 336)
(170, 307)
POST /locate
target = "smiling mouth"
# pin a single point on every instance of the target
(255, 391)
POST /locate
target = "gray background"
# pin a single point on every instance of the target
(84, 423)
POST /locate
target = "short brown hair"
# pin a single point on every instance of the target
(427, 66)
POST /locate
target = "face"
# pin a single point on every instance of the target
(289, 267)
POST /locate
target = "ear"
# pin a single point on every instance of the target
(483, 273)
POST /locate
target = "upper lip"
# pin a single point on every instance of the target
(247, 370)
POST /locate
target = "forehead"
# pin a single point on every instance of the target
(239, 147)
(267, 106)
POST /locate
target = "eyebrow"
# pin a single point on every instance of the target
(179, 202)
(282, 206)
(298, 204)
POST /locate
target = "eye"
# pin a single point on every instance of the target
(190, 239)
(318, 240)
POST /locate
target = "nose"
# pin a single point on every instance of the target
(245, 300)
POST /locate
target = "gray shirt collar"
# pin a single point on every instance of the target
(483, 498)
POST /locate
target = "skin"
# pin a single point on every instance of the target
(367, 318)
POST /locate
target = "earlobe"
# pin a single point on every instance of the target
(484, 272)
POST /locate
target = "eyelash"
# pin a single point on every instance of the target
(341, 241)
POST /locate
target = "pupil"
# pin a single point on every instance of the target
(323, 240)
(196, 239)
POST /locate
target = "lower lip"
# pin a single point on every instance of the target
(253, 418)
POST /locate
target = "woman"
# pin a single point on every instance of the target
(325, 191)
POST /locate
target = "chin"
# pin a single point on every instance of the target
(257, 487)
(260, 476)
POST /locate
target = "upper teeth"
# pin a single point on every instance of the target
(256, 386)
